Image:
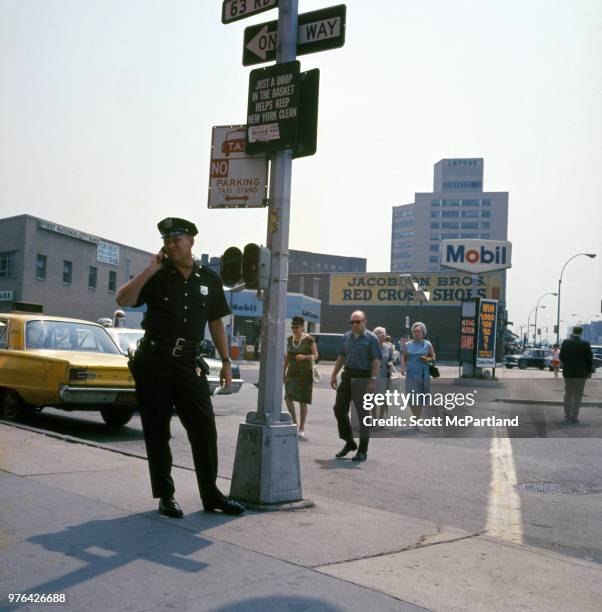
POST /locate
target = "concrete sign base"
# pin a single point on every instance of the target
(266, 465)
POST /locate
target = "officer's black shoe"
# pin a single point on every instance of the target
(360, 456)
(168, 506)
(227, 506)
(350, 446)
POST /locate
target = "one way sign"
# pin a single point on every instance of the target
(317, 31)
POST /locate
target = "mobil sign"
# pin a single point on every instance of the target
(476, 255)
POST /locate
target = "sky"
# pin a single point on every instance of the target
(106, 109)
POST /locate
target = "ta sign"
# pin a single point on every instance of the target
(476, 256)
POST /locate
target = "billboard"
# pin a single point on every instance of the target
(487, 333)
(386, 289)
(476, 256)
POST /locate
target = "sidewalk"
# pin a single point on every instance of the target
(79, 520)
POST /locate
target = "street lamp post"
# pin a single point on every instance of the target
(591, 256)
(529, 321)
(536, 307)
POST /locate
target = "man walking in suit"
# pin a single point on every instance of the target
(577, 365)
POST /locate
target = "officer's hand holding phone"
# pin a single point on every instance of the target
(157, 261)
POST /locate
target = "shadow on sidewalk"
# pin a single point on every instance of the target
(106, 545)
(276, 604)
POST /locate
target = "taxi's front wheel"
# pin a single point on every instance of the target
(12, 407)
(114, 416)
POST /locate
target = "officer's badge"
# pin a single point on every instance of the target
(204, 290)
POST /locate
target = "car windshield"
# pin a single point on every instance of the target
(68, 336)
(129, 339)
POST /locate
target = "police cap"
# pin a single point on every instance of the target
(172, 226)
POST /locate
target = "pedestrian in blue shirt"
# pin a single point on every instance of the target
(360, 355)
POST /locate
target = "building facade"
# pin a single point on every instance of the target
(66, 271)
(306, 261)
(456, 208)
(384, 300)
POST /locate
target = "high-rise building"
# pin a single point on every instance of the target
(457, 208)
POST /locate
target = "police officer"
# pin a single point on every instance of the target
(181, 297)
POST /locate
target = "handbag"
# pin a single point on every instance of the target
(315, 372)
(434, 370)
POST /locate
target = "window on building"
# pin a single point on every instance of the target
(450, 225)
(435, 202)
(470, 225)
(434, 259)
(471, 213)
(435, 225)
(92, 277)
(435, 236)
(485, 213)
(434, 248)
(7, 264)
(449, 236)
(485, 225)
(450, 213)
(470, 202)
(404, 235)
(485, 236)
(486, 202)
(435, 214)
(112, 280)
(67, 272)
(41, 263)
(471, 235)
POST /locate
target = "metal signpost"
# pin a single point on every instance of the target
(317, 31)
(282, 117)
(236, 180)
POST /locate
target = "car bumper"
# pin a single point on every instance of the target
(233, 388)
(97, 395)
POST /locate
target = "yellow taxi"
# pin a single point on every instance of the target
(62, 363)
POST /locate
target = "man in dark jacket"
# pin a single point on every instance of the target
(577, 366)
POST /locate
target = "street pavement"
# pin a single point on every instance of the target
(437, 523)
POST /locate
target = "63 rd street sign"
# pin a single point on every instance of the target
(317, 31)
(236, 180)
(233, 10)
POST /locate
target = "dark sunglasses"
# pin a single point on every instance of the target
(356, 322)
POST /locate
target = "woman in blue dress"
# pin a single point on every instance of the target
(417, 354)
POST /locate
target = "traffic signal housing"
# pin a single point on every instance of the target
(251, 267)
(256, 263)
(231, 268)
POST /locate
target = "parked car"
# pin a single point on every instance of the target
(127, 338)
(62, 363)
(529, 358)
(327, 345)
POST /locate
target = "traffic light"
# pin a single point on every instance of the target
(231, 271)
(251, 267)
(256, 262)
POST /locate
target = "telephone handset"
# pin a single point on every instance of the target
(165, 258)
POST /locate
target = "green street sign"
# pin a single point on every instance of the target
(233, 10)
(273, 108)
(317, 31)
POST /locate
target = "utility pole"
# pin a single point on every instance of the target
(266, 467)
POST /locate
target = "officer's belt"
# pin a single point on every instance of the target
(178, 346)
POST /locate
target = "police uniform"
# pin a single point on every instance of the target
(164, 368)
